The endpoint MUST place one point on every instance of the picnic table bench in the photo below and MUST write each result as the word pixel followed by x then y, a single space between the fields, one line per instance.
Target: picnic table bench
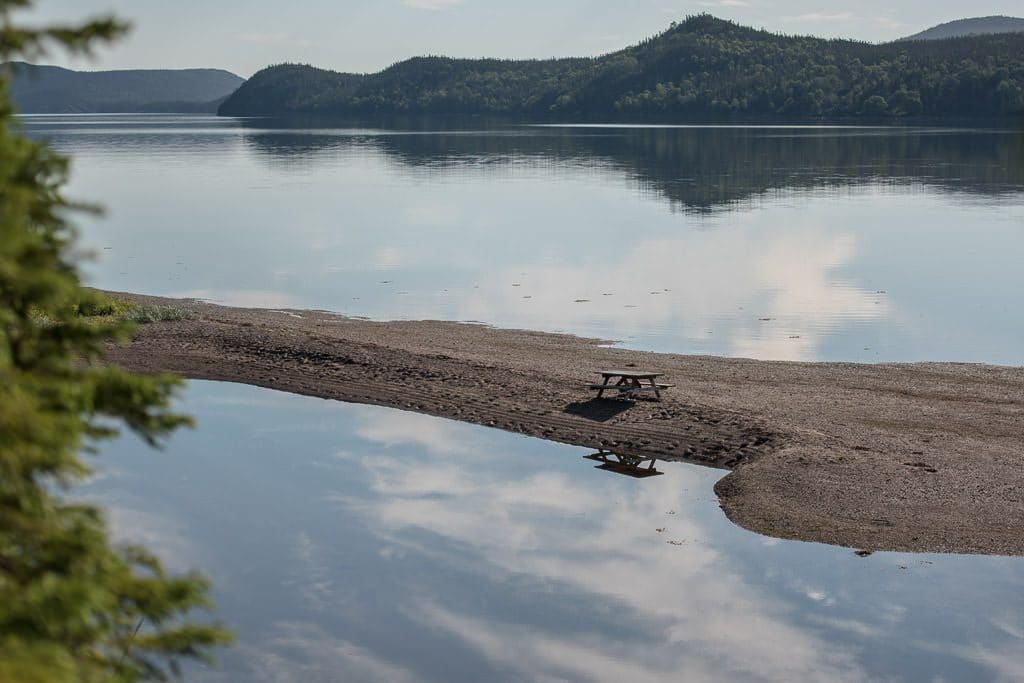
pixel 629 383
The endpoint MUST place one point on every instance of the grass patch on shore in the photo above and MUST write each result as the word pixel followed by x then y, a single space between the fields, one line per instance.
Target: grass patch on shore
pixel 108 309
pixel 105 307
pixel 128 310
pixel 152 313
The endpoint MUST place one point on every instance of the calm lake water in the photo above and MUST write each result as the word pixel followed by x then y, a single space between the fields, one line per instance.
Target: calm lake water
pixel 358 543
pixel 354 543
pixel 815 243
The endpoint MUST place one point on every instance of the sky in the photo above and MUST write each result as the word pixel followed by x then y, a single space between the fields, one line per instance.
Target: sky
pixel 244 36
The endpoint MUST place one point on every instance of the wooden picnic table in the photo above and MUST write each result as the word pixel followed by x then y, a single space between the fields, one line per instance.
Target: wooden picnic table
pixel 629 383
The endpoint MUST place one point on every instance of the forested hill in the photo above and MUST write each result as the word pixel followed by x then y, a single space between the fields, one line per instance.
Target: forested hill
pixel 50 89
pixel 701 68
pixel 971 27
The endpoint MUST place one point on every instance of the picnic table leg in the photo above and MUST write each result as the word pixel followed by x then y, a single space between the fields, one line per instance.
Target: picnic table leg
pixel 657 392
pixel 600 392
pixel 631 385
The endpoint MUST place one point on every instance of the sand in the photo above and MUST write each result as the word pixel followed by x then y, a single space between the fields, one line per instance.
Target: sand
pixel 907 457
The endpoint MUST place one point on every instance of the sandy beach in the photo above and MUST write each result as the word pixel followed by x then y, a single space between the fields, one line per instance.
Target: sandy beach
pixel 910 457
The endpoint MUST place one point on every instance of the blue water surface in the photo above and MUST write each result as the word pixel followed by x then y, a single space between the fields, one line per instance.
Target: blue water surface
pixel 803 243
pixel 361 543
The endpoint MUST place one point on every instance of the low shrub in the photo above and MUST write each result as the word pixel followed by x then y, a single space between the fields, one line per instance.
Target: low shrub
pixel 152 313
pixel 130 311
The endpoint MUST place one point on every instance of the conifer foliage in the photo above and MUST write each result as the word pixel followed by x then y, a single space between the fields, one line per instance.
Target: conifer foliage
pixel 703 68
pixel 73 606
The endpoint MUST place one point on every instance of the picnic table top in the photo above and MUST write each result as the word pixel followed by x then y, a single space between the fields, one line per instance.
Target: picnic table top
pixel 636 374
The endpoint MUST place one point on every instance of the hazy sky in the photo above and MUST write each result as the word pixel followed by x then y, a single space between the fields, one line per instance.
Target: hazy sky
pixel 367 35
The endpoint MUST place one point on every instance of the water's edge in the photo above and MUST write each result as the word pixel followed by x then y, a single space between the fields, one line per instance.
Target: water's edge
pixel 838 453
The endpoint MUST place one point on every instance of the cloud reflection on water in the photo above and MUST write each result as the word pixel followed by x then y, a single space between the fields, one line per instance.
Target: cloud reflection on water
pixel 300 651
pixel 709 625
pixel 765 295
pixel 802 226
pixel 367 543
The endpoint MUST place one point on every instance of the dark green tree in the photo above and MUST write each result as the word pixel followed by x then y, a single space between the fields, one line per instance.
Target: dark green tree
pixel 73 607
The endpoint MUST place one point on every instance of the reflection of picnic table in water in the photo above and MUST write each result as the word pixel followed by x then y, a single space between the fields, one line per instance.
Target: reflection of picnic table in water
pixel 630 465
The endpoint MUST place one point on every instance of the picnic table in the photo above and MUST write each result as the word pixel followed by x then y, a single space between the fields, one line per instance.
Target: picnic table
pixel 629 383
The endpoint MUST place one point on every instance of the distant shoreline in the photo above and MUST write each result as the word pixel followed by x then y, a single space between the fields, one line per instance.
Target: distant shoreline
pixel 909 457
pixel 700 68
pixel 44 89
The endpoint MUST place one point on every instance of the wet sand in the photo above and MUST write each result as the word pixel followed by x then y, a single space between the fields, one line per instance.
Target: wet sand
pixel 911 457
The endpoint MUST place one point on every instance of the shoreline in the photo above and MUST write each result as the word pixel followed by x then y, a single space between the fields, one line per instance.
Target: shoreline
pixel 925 457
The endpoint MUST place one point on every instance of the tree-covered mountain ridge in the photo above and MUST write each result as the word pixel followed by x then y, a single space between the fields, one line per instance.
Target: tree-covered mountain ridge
pixel 971 27
pixel 703 67
pixel 39 89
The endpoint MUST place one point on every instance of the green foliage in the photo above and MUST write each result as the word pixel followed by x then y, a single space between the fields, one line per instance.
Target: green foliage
pixel 106 307
pixel 152 313
pixel 701 68
pixel 100 311
pixel 72 606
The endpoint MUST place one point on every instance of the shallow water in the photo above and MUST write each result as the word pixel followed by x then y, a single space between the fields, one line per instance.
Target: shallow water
pixel 360 543
pixel 811 243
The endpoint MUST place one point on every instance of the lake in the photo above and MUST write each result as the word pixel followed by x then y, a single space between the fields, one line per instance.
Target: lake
pixel 800 243
pixel 359 543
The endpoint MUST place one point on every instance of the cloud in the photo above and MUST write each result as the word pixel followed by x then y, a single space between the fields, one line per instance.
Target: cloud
pixel 776 296
pixel 432 5
pixel 276 39
pixel 888 22
pixel 726 3
pixel 306 652
pixel 535 655
pixel 821 17
pixel 129 522
pixel 507 519
pixel 390 429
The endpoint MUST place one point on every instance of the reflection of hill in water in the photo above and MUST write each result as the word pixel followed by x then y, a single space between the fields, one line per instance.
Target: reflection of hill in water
pixel 698 169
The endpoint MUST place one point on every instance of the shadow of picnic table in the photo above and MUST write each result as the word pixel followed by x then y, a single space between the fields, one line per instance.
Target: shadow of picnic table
pixel 598 410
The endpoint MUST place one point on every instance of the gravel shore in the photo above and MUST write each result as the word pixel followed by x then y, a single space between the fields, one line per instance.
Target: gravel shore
pixel 910 457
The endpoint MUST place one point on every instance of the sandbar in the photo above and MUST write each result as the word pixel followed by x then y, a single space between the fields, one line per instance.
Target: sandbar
pixel 922 457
